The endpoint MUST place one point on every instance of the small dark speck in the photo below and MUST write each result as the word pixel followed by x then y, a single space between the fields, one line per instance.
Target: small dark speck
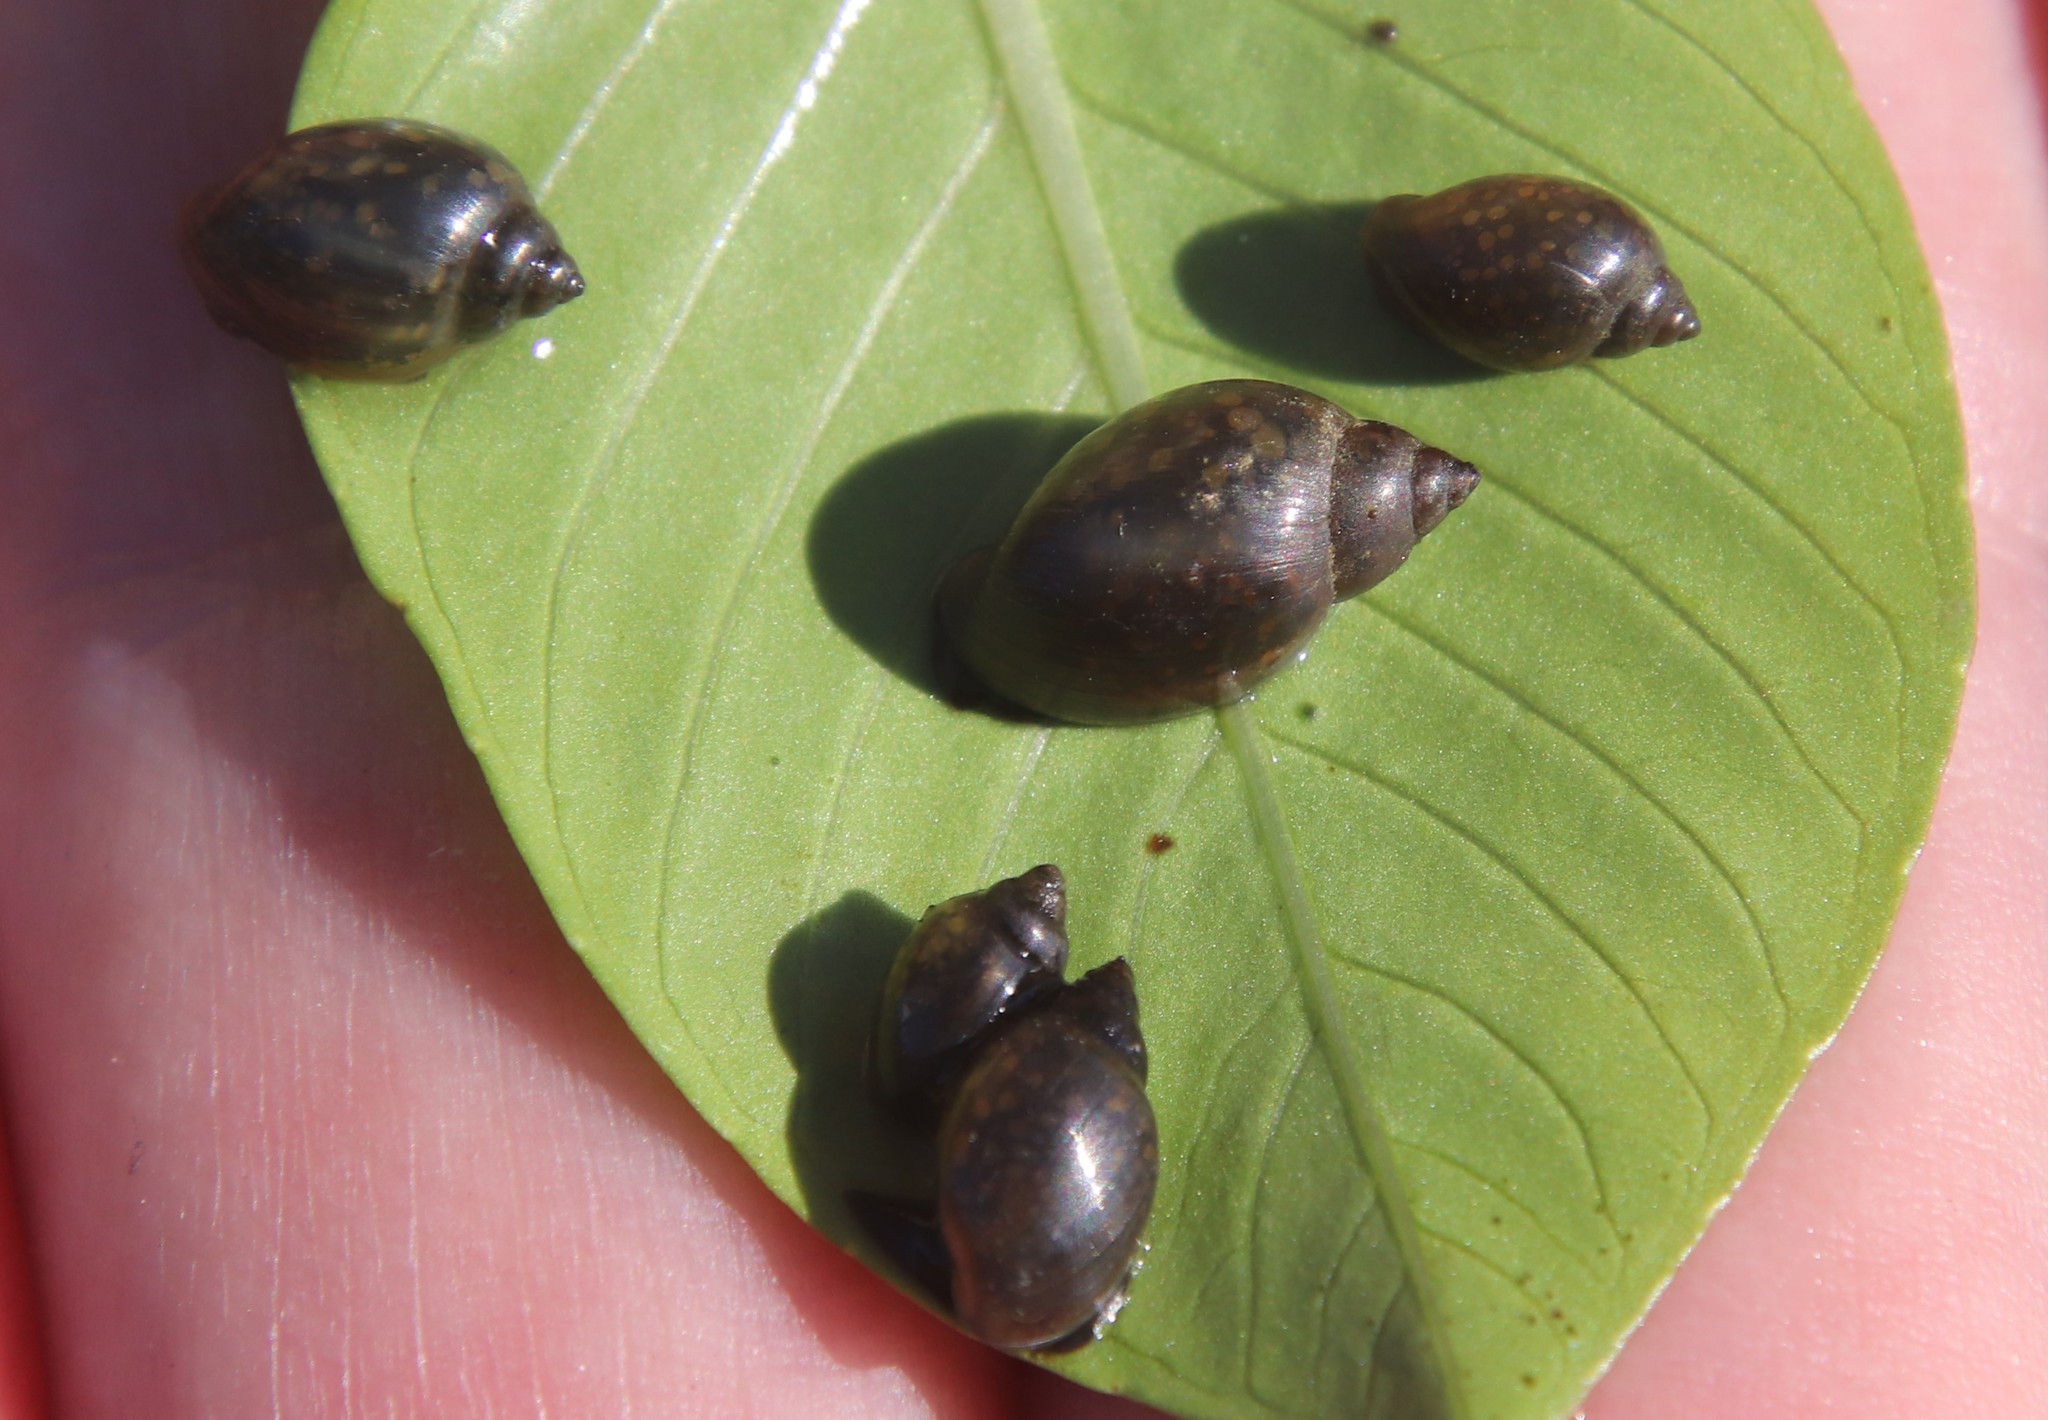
pixel 774 759
pixel 1496 1220
pixel 1382 31
pixel 1556 1315
pixel 1309 711
pixel 135 1159
pixel 1159 843
pixel 1884 323
pixel 1529 1381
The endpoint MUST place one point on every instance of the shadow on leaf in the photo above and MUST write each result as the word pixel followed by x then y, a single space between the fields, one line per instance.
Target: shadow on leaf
pixel 889 529
pixel 1292 283
pixel 824 991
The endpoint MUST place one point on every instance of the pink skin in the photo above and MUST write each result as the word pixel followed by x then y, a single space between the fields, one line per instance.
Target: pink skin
pixel 311 1111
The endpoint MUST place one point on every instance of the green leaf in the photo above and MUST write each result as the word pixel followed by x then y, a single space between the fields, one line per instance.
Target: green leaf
pixel 1492 939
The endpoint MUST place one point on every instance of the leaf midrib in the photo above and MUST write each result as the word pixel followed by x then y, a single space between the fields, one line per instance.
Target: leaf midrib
pixel 1023 51
pixel 1319 998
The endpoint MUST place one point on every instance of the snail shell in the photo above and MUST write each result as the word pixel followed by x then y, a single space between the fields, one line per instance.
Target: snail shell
pixel 1528 273
pixel 971 959
pixel 1047 1163
pixel 1189 548
pixel 374 249
pixel 1047 1149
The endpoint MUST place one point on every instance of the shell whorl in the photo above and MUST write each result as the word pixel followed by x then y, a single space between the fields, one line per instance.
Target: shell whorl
pixel 519 270
pixel 971 959
pixel 1662 315
pixel 1388 490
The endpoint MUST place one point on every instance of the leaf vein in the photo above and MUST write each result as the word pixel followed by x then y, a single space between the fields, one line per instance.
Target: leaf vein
pixel 1501 1191
pixel 1362 1118
pixel 785 492
pixel 621 422
pixel 1551 908
pixel 1248 1378
pixel 1131 123
pixel 1544 1320
pixel 1326 1332
pixel 1031 73
pixel 1582 1132
pixel 1734 470
pixel 1007 819
pixel 1669 601
pixel 607 89
pixel 457 37
pixel 1760 940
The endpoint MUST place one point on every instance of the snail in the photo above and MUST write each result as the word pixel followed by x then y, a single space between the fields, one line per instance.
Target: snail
pixel 1047 1149
pixel 374 249
pixel 1528 273
pixel 971 959
pixel 1189 548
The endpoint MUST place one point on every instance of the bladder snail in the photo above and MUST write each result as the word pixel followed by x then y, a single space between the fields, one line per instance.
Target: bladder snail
pixel 1047 1149
pixel 1528 273
pixel 375 249
pixel 1189 548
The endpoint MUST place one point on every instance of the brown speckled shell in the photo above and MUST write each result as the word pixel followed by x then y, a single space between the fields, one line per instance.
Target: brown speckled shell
pixel 1047 1149
pixel 1523 272
pixel 1189 548
pixel 972 959
pixel 374 249
pixel 1048 1160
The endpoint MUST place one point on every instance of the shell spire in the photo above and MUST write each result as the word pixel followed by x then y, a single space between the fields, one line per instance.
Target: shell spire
pixel 1388 491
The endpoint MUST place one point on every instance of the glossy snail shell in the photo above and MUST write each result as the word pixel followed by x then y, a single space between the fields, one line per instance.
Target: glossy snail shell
pixel 1523 272
pixel 1189 548
pixel 1047 1163
pixel 971 959
pixel 375 249
pixel 1047 1149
